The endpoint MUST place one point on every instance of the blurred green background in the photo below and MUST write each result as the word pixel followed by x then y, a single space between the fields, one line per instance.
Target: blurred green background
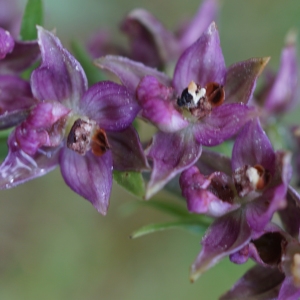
pixel 54 245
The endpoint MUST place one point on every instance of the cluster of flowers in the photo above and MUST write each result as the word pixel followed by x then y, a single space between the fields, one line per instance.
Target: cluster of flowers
pixel 88 131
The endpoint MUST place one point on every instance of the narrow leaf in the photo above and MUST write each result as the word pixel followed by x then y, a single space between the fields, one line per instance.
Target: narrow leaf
pixel 33 15
pixel 131 181
pixel 189 225
pixel 92 72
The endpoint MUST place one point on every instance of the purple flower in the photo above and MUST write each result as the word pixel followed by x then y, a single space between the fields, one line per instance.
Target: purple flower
pixel 204 104
pixel 79 128
pixel 277 275
pixel 243 200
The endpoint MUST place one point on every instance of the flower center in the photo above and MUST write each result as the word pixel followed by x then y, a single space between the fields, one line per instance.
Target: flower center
pixel 201 100
pixel 248 179
pixel 85 135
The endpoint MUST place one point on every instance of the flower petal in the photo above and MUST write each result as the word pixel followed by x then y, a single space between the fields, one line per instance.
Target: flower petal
pixel 206 14
pixel 226 235
pixel 210 195
pixel 288 290
pixel 127 151
pixel 151 42
pixel 129 72
pixel 6 43
pixel 157 102
pixel 111 105
pixel 15 100
pixel 202 62
pixel 283 92
pixel 22 57
pixel 222 123
pixel 253 147
pixel 60 76
pixel 258 283
pixel 19 167
pixel 241 79
pixel 171 153
pixel 89 176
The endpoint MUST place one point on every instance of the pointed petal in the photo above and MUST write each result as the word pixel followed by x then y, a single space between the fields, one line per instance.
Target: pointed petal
pixel 258 283
pixel 19 167
pixel 206 14
pixel 222 123
pixel 89 176
pixel 203 62
pixel 151 42
pixel 284 89
pixel 22 57
pixel 111 105
pixel 290 215
pixel 241 79
pixel 60 77
pixel 253 147
pixel 226 235
pixel 129 72
pixel 171 153
pixel 288 290
pixel 157 102
pixel 15 100
pixel 127 151
pixel 6 43
pixel 210 195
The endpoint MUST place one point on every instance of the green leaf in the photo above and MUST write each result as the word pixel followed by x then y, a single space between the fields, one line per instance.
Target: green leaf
pixel 189 225
pixel 33 15
pixel 93 74
pixel 131 181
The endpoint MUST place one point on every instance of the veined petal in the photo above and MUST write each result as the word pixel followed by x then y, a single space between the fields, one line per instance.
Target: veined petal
pixel 171 153
pixel 111 105
pixel 241 79
pixel 226 235
pixel 19 167
pixel 253 147
pixel 202 62
pixel 258 283
pixel 222 123
pixel 22 57
pixel 284 90
pixel 151 42
pixel 206 14
pixel 89 176
pixel 211 195
pixel 6 43
pixel 130 72
pixel 60 77
pixel 127 151
pixel 15 100
pixel 157 102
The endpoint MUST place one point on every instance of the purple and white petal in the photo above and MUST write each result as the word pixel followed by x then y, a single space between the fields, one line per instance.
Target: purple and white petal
pixel 253 147
pixel 288 290
pixel 225 236
pixel 19 167
pixel 127 151
pixel 206 14
pixel 24 55
pixel 282 94
pixel 241 79
pixel 222 123
pixel 6 43
pixel 111 105
pixel 89 176
pixel 202 62
pixel 151 43
pixel 60 77
pixel 157 102
pixel 258 283
pixel 171 153
pixel 130 72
